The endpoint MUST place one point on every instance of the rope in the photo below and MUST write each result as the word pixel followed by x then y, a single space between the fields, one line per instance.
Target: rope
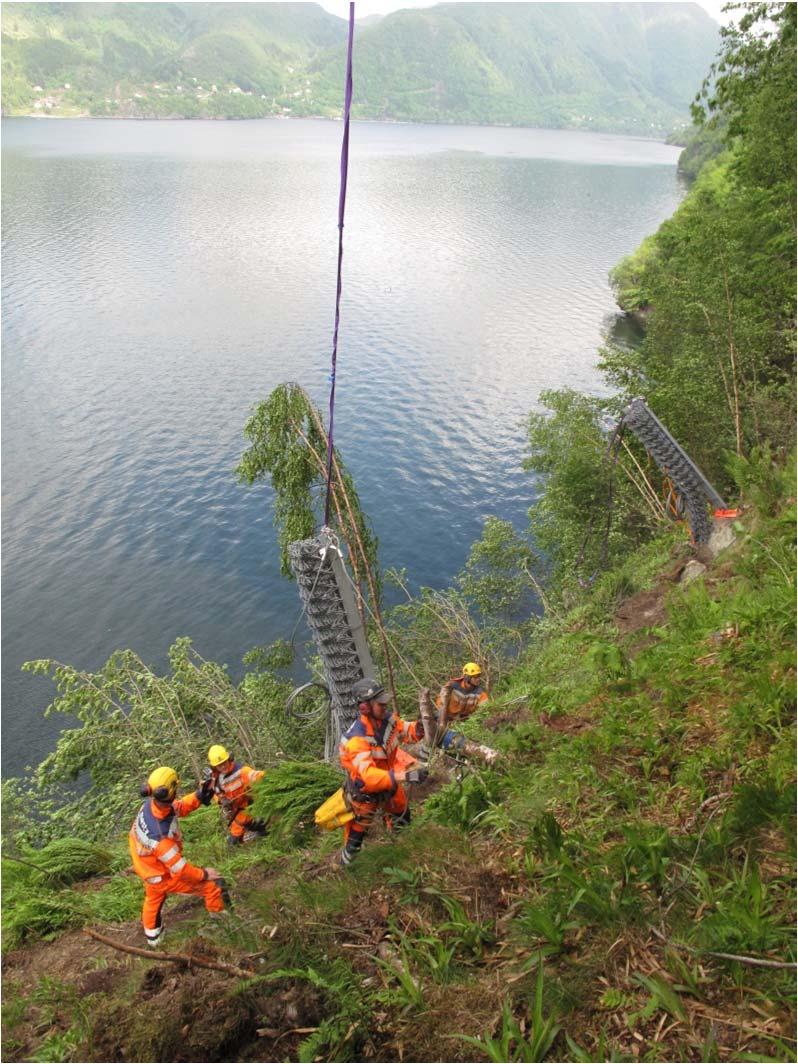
pixel 341 210
pixel 385 633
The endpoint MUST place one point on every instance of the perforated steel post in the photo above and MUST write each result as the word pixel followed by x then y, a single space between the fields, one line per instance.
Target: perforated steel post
pixel 335 623
pixel 689 481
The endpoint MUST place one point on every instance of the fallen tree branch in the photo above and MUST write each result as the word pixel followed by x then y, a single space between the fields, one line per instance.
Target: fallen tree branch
pixel 175 958
pixel 757 962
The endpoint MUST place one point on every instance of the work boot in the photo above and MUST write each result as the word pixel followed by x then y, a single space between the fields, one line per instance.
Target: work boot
pixel 352 848
pixel 234 840
pixel 157 941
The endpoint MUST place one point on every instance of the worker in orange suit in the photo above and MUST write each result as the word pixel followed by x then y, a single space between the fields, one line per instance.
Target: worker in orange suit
pixel 458 699
pixel 231 785
pixel 156 848
pixel 369 750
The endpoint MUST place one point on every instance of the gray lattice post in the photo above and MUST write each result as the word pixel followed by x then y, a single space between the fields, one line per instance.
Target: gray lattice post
pixel 689 481
pixel 334 620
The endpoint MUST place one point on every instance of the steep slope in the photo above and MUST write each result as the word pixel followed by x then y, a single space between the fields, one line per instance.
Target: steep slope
pixel 585 902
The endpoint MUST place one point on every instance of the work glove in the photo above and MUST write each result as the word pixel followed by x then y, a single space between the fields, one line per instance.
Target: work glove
pixel 205 790
pixel 419 728
pixel 417 774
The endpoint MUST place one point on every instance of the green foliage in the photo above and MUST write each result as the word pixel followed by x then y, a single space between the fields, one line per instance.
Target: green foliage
pixel 40 914
pixel 512 1044
pixel 497 582
pixel 444 65
pixel 662 997
pixel 703 144
pixel 717 361
pixel 434 632
pixel 64 861
pixel 628 277
pixel 759 805
pixel 459 804
pixel 336 1036
pixel 583 489
pixel 36 901
pixel 288 445
pixel 290 793
pixel 129 721
pixel 719 350
pixel 586 839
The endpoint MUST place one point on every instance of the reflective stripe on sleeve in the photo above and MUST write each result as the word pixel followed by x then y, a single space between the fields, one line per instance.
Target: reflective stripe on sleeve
pixel 170 853
pixel 178 866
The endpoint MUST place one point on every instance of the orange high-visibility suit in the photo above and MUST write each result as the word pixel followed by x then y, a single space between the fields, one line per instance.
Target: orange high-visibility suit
pixel 460 701
pixel 156 849
pixel 232 793
pixel 369 751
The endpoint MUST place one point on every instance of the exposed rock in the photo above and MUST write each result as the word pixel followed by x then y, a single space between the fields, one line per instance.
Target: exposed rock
pixel 692 571
pixel 722 536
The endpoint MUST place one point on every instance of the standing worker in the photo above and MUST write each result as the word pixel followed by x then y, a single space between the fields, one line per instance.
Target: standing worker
pixel 156 848
pixel 231 783
pixel 369 750
pixel 458 699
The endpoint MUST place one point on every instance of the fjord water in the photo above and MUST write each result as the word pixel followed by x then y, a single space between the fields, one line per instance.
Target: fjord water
pixel 161 277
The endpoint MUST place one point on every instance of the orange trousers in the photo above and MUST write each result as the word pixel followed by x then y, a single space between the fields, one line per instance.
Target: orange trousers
pixel 390 807
pixel 239 824
pixel 155 895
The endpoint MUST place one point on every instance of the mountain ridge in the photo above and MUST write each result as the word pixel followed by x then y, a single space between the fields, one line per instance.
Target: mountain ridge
pixel 630 68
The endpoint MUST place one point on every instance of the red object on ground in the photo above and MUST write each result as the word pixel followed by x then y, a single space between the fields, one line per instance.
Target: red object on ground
pixel 727 513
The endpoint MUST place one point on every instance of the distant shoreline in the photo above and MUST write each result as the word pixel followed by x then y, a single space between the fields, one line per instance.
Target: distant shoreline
pixel 660 139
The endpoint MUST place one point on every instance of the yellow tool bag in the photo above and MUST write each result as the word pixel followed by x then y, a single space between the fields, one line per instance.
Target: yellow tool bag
pixel 335 812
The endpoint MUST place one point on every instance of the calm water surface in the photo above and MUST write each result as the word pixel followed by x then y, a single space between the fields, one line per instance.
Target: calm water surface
pixel 159 278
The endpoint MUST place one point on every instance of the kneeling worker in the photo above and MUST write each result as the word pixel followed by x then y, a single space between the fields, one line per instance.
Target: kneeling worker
pixel 459 698
pixel 156 849
pixel 231 783
pixel 368 752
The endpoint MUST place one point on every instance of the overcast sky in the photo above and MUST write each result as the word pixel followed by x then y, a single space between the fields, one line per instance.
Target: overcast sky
pixel 383 7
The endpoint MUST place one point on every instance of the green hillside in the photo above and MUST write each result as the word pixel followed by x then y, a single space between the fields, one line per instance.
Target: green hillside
pixel 620 889
pixel 632 67
pixel 620 885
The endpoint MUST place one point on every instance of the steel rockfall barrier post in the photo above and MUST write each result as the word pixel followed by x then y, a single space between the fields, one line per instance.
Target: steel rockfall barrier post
pixel 336 626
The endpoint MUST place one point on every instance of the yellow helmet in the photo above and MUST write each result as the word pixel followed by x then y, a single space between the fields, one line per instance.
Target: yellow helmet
pixel 162 783
pixel 471 669
pixel 217 755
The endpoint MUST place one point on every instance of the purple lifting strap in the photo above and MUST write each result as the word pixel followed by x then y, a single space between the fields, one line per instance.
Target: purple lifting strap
pixel 341 210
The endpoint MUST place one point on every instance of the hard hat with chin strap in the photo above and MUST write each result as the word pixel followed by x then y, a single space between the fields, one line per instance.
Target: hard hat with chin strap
pixel 217 755
pixel 471 669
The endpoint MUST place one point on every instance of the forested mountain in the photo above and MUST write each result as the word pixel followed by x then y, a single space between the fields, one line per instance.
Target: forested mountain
pixel 622 66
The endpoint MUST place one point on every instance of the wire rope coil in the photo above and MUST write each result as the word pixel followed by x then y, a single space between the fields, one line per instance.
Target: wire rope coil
pixel 319 694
